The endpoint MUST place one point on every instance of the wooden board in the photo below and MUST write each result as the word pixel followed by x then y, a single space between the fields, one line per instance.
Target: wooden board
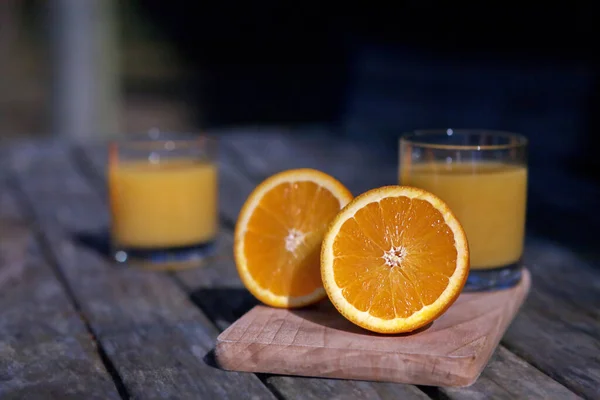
pixel 452 351
pixel 537 336
pixel 217 290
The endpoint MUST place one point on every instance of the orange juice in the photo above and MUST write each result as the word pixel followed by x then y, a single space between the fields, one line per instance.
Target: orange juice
pixel 168 204
pixel 489 199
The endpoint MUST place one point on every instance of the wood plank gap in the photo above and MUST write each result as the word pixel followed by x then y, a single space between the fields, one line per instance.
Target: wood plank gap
pixel 558 378
pixel 52 262
pixel 155 336
pixel 44 343
pixel 433 392
pixel 261 377
pixel 502 360
pixel 310 388
pixel 264 378
pixel 280 152
pixel 85 165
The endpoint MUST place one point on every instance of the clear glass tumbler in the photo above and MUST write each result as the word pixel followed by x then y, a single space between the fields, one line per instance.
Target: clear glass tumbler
pixel 482 176
pixel 163 199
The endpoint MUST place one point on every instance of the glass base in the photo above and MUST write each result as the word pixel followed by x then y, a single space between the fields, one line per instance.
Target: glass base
pixel 492 279
pixel 172 258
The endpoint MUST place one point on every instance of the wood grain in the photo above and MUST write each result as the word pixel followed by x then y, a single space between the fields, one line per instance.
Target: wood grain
pixel 45 348
pixel 158 351
pixel 509 377
pixel 320 342
pixel 216 287
pixel 217 290
pixel 270 151
pixel 223 298
pixel 154 362
pixel 560 301
pixel 127 308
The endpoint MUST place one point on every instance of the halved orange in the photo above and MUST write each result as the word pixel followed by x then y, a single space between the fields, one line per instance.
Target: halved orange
pixel 394 259
pixel 279 233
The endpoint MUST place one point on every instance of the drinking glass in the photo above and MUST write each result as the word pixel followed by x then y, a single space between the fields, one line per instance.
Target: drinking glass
pixel 482 176
pixel 163 199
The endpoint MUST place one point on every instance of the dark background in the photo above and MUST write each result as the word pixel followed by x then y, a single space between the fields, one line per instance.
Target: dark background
pixel 377 70
pixel 368 71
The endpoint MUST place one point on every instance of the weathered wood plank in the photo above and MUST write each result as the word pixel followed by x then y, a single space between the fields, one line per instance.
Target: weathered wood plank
pixel 510 377
pixel 579 292
pixel 230 207
pixel 557 347
pixel 34 305
pixel 217 290
pixel 132 312
pixel 262 156
pixel 60 368
pixel 316 389
pixel 357 165
pixel 237 188
pixel 45 347
pixel 166 370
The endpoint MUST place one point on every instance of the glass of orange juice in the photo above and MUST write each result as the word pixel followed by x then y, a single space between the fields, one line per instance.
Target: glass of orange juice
pixel 482 176
pixel 163 199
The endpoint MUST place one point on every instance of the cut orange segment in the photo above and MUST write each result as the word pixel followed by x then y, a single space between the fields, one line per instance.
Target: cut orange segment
pixel 279 233
pixel 394 259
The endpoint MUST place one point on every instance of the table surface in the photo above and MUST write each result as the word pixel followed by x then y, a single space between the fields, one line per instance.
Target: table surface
pixel 73 325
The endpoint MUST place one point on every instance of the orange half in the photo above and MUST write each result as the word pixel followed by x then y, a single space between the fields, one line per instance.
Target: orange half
pixel 394 259
pixel 279 233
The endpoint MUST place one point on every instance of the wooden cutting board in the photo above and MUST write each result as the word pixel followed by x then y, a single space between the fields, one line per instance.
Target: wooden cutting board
pixel 319 342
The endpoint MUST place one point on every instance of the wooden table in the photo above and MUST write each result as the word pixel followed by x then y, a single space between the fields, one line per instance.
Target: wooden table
pixel 73 325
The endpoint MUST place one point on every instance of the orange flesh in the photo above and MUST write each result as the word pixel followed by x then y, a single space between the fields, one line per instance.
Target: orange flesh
pixel 418 244
pixel 305 209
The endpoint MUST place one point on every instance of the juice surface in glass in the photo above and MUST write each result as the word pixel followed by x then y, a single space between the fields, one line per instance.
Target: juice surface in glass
pixel 489 199
pixel 172 203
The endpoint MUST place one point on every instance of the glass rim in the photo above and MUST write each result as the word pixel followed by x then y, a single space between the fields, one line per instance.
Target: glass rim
pixel 413 138
pixel 164 140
